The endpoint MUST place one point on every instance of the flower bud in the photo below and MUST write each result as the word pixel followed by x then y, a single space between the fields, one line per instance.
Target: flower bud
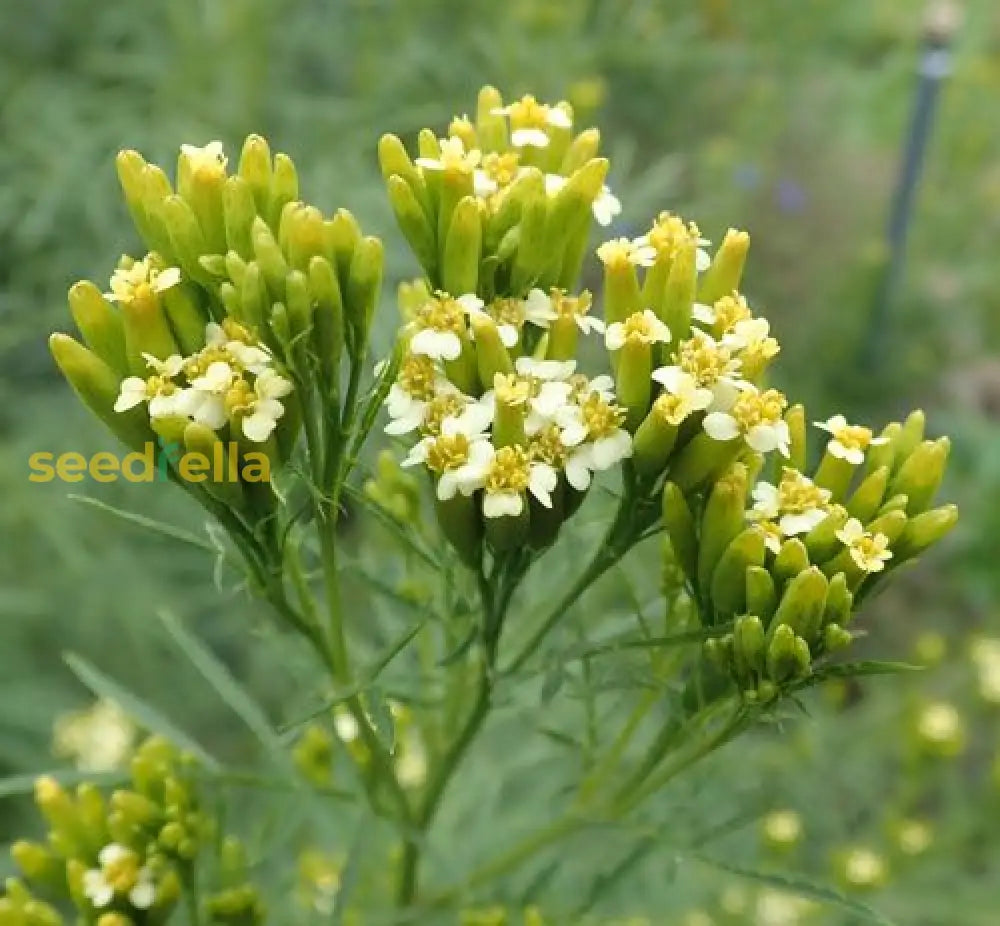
pixel 884 454
pixel 910 436
pixel 632 381
pixel 413 223
pixel 186 237
pixel 787 655
pixel 723 518
pixel 462 526
pixel 299 304
pixel 395 162
pixel 239 209
pixel 343 235
pixel 202 189
pixel 795 418
pixel 255 169
pixel 654 442
pixel 622 296
pixel 762 595
pixel 269 258
pixel 255 303
pixel 925 529
pixel 749 646
pixel 679 294
pixel 680 527
pixel 491 126
pixel 792 559
pixel 364 285
pixel 869 495
pixel 701 460
pixel 835 474
pixel 460 260
pixel 728 586
pixel 726 270
pixel 97 386
pixel 836 638
pixel 131 168
pixel 284 188
pixel 802 603
pixel 532 250
pixel 328 318
pixel 839 601
pixel 491 355
pixel 99 323
pixel 186 318
pixel 921 473
pixel 822 542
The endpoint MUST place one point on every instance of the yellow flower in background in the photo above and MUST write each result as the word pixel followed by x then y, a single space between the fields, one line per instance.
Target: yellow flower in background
pixel 100 738
pixel 940 730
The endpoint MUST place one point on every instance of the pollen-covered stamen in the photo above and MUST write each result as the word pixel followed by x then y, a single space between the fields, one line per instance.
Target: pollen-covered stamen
pixel 442 313
pixel 620 253
pixel 528 113
pixel 566 306
pixel 513 389
pixel 600 418
pixel 448 452
pixel 547 447
pixel 509 471
pixel 672 409
pixel 198 364
pixel 418 376
pixel 454 158
pixel 445 405
pixel 729 310
pixel 502 169
pixel 752 409
pixel 798 493
pixel 507 311
pixel 141 280
pixel 239 397
pixel 670 233
pixel 870 551
pixel 706 360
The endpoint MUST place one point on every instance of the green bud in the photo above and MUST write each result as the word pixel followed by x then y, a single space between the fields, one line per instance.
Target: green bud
pixel 203 192
pixel 460 262
pixel 306 236
pixel 836 638
pixel 822 541
pixel 284 188
pixel 869 495
pixel 508 424
pixel 679 295
pixel 328 318
pixel 255 301
pixel 839 601
pixel 413 223
pixel 462 525
pixel 724 517
pixel 574 254
pixel 269 258
pixel 749 646
pixel 920 475
pixel 343 235
pixel 131 175
pixel 100 323
pixel 762 596
pixel 532 252
pixel 491 355
pixel 834 473
pixel 726 270
pixel 924 530
pixel 795 418
pixel 728 587
pixel 239 210
pixel 299 304
pixel 802 604
pixel 394 161
pixel 186 318
pixel 892 524
pixel 718 651
pixel 632 381
pixel 894 503
pixel 622 296
pixel 910 436
pixel 680 527
pixel 581 149
pixel 186 237
pixel 701 459
pixel 787 655
pixel 792 559
pixel 364 285
pixel 491 126
pixel 509 531
pixel 97 386
pixel 255 169
pixel 654 442
pixel 884 454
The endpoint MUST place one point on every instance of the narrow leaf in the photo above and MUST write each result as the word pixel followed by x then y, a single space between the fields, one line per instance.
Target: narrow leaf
pixel 150 524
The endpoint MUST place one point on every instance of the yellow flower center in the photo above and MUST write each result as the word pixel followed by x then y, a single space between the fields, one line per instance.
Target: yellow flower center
pixel 705 360
pixel 462 127
pixel 870 551
pixel 511 389
pixel 566 306
pixel 854 436
pixel 441 313
pixel 771 531
pixel 122 873
pixel 455 158
pixel 600 418
pixel 417 376
pixel 507 311
pixel 501 168
pixel 528 113
pixel 797 493
pixel 672 409
pixel 638 328
pixel 617 254
pixel 240 397
pixel 731 309
pixel 159 385
pixel 669 234
pixel 547 447
pixel 449 451
pixel 440 407
pixel 755 408
pixel 237 332
pixel 509 471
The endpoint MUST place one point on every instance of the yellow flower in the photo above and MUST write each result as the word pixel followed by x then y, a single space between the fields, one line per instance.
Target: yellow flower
pixel 869 551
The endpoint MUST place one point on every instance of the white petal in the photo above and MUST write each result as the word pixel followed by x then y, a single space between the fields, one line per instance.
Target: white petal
pixel 500 504
pixel 578 469
pixel 447 487
pixel 793 524
pixel 559 118
pixel 703 313
pixel 133 392
pixel 143 895
pixel 529 138
pixel 429 164
pixel 703 261
pixel 720 426
pixel 542 482
pixel 614 336
pixel 470 302
pixel 509 335
pixel 258 426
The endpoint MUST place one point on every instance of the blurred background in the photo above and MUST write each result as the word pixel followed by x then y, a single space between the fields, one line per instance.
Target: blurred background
pixel 786 118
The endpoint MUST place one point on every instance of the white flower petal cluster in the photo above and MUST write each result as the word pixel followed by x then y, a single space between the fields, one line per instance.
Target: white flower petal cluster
pixel 231 380
pixel 848 441
pixel 792 507
pixel 120 875
pixel 141 278
pixel 531 122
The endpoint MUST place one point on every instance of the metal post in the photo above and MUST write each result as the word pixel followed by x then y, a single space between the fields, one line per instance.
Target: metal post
pixel 935 65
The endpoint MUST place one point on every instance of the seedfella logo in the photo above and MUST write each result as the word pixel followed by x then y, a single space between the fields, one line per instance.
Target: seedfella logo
pixel 225 464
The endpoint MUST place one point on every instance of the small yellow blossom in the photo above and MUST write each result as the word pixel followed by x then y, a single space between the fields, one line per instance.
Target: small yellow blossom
pixel 620 253
pixel 870 552
pixel 848 441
